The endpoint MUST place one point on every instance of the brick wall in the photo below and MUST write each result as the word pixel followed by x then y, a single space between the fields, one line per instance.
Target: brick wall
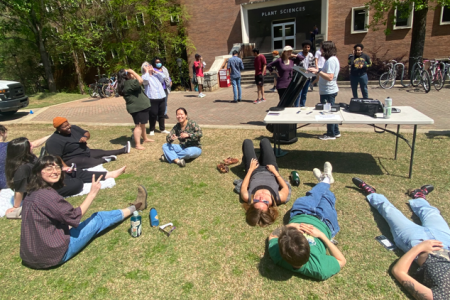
pixel 215 25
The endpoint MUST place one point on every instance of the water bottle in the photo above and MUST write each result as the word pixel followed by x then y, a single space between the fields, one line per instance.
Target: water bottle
pixel 295 179
pixel 387 111
pixel 136 224
pixel 154 219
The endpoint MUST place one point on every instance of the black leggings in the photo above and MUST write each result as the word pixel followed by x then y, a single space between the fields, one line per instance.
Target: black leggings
pixel 95 158
pixel 73 182
pixel 157 110
pixel 266 156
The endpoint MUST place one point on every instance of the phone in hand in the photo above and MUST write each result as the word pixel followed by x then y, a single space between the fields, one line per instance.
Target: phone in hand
pixel 385 242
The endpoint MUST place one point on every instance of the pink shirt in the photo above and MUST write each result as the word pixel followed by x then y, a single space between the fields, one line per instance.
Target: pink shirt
pixel 198 68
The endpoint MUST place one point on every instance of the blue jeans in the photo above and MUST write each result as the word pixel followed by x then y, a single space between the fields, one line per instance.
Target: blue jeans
pixel 406 233
pixel 174 151
pixel 236 83
pixel 332 129
pixel 362 80
pixel 89 229
pixel 301 99
pixel 319 202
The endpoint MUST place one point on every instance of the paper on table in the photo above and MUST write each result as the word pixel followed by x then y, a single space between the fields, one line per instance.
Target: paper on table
pixel 328 117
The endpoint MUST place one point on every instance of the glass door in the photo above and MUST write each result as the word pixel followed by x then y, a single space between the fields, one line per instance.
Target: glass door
pixel 283 34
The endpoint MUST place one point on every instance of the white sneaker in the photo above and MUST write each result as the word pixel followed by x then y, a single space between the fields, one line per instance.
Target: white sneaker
pixel 326 137
pixel 327 170
pixel 128 147
pixel 110 158
pixel 318 174
pixel 165 132
pixel 202 95
pixel 152 133
pixel 337 136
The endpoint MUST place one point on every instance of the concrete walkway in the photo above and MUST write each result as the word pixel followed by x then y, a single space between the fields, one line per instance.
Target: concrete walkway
pixel 215 110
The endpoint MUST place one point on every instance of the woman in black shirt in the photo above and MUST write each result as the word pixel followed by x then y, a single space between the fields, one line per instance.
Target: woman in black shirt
pixel 359 63
pixel 19 163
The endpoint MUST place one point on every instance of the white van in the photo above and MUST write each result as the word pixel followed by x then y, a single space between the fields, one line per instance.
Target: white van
pixel 12 97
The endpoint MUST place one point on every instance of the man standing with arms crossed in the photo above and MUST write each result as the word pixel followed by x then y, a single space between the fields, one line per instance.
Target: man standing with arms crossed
pixel 235 66
pixel 260 71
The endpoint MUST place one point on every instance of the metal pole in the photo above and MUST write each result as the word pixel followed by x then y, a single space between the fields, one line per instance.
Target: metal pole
pixel 412 152
pixel 396 141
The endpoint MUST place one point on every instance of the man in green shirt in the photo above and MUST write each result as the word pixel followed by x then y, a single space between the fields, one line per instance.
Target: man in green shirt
pixel 301 246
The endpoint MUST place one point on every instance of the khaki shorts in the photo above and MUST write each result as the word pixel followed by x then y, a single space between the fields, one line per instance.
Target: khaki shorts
pixel 200 80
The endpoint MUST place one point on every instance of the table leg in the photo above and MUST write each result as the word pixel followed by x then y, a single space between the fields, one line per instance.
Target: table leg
pixel 396 141
pixel 277 140
pixel 412 152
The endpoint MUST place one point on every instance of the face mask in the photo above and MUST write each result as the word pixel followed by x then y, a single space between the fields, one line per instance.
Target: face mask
pixel 159 65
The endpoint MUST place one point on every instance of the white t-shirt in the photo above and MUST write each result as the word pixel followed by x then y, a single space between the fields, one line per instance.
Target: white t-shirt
pixel 321 59
pixel 331 66
pixel 307 60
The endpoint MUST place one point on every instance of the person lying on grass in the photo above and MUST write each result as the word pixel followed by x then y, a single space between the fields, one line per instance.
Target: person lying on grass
pixel 19 163
pixel 428 245
pixel 70 143
pixel 301 246
pixel 188 133
pixel 51 231
pixel 263 188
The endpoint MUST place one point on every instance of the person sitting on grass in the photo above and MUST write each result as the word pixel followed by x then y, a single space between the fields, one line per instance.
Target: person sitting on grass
pixel 188 133
pixel 69 142
pixel 301 246
pixel 3 148
pixel 51 230
pixel 263 188
pixel 428 245
pixel 129 85
pixel 19 163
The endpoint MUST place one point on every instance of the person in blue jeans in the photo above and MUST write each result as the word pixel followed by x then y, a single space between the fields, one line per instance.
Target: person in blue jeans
pixel 302 245
pixel 51 231
pixel 359 62
pixel 235 65
pixel 427 244
pixel 328 88
pixel 307 57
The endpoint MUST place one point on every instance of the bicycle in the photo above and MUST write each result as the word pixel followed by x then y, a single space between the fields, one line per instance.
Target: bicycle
pixel 436 74
pixel 96 89
pixel 387 79
pixel 110 88
pixel 420 75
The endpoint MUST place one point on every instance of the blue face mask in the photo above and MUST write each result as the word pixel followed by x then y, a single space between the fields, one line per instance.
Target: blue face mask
pixel 159 65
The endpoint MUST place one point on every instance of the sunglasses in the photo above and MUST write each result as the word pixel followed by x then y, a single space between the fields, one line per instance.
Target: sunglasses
pixel 263 201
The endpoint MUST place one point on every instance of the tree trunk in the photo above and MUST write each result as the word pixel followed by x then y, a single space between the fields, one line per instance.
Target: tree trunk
pixel 418 36
pixel 78 71
pixel 45 62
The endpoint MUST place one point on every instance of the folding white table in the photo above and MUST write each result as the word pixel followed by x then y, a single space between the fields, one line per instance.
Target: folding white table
pixel 295 115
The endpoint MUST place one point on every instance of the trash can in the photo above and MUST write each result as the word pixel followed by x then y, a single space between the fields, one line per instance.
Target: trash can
pixel 224 78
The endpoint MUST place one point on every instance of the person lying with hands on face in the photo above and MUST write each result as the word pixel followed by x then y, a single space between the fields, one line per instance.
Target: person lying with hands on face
pixel 263 189
pixel 188 133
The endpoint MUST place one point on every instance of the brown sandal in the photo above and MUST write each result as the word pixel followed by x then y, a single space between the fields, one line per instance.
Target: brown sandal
pixel 230 161
pixel 222 168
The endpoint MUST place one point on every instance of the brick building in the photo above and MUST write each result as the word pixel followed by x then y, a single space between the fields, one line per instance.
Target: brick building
pixel 270 24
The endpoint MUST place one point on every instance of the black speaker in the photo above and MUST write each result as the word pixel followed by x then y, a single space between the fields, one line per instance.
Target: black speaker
pixel 287 133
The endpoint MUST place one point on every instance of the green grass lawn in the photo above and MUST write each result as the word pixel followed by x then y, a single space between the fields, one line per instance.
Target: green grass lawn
pixel 213 253
pixel 39 100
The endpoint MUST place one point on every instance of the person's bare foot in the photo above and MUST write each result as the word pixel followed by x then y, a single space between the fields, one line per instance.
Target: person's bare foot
pixel 139 147
pixel 148 141
pixel 116 173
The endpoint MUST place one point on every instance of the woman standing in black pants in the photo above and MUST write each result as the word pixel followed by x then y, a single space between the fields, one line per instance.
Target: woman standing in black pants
pixel 153 88
pixel 263 189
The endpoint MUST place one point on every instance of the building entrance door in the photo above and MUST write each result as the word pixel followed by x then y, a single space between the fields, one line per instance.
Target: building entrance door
pixel 283 34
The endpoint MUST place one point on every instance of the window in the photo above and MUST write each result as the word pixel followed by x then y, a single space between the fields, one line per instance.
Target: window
pixel 403 16
pixel 140 20
pixel 445 15
pixel 125 22
pixel 360 19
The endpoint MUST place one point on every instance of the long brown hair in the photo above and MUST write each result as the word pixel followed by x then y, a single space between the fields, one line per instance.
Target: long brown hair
pixel 328 49
pixel 18 153
pixel 254 216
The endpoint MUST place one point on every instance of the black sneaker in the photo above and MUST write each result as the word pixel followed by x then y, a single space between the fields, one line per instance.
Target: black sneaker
pixel 422 192
pixel 362 185
pixel 166 116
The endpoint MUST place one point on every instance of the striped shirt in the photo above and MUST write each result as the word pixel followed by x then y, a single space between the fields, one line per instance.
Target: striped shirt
pixel 153 85
pixel 45 236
